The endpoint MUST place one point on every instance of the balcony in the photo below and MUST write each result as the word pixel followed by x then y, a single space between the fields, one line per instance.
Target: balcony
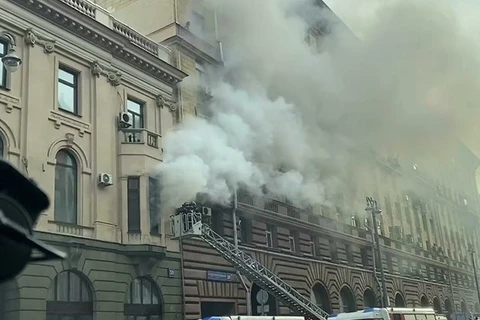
pixel 70 229
pixel 140 142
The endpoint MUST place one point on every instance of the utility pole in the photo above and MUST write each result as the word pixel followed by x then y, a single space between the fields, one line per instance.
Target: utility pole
pixel 471 250
pixel 235 243
pixel 372 207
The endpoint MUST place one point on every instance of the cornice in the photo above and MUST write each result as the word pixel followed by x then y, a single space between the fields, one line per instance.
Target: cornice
pixel 193 44
pixel 114 77
pixel 100 35
pixel 32 38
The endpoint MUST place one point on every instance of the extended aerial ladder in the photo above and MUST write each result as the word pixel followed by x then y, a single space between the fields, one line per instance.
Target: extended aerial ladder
pixel 192 221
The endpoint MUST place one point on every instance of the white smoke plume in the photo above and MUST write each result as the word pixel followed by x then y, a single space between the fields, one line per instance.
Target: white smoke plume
pixel 298 121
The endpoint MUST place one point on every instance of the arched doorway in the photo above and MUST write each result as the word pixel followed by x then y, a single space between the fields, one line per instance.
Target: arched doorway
pixel 143 300
pixel 70 297
pixel 424 302
pixel 369 298
pixel 9 301
pixel 463 306
pixel 320 297
pixel 448 306
pixel 399 300
pixel 437 306
pixel 263 303
pixel 347 300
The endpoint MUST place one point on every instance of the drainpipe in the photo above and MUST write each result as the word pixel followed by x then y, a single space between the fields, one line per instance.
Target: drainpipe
pixel 235 242
pixel 220 46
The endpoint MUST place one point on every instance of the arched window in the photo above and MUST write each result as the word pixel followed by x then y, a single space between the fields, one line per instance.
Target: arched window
pixel 347 300
pixel 448 306
pixel 437 306
pixel 320 297
pixel 369 299
pixel 399 301
pixel 66 187
pixel 424 302
pixel 69 298
pixel 2 147
pixel 143 300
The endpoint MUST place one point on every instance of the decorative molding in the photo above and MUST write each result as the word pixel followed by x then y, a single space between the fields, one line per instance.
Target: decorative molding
pixel 69 137
pixel 75 253
pixel 60 120
pixel 32 38
pixel 144 265
pixel 165 102
pixel 114 77
pixel 113 41
pixel 9 102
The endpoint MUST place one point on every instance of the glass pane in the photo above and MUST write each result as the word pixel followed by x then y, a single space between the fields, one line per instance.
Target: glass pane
pixel 65 194
pixel 66 97
pixel 133 106
pixel 62 317
pixel 52 317
pixel 130 317
pixel 147 292
pixel 66 76
pixel 137 121
pixel 154 297
pixel 62 286
pixel 85 293
pixel 75 284
pixel 154 318
pixel 136 291
pixel 2 76
pixel 85 317
pixel 142 318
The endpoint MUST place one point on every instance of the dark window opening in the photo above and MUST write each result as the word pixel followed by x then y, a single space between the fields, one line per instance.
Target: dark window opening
pixel 133 199
pixel 66 185
pixel 154 205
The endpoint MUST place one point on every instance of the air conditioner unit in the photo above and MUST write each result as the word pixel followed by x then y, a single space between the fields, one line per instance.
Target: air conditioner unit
pixel 105 179
pixel 124 119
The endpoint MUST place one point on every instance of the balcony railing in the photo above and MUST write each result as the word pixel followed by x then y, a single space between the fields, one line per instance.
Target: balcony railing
pixel 72 229
pixel 141 136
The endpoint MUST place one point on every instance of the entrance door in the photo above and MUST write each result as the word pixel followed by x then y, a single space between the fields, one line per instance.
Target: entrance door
pixel 214 308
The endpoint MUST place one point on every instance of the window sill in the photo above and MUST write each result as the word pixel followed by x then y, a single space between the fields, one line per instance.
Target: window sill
pixel 77 115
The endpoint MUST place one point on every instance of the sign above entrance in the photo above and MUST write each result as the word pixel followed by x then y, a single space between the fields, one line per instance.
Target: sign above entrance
pixel 218 276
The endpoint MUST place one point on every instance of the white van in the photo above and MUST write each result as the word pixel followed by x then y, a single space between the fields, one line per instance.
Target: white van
pixel 387 314
pixel 255 318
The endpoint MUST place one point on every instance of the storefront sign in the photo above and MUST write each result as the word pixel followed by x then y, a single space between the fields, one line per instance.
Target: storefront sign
pixel 218 276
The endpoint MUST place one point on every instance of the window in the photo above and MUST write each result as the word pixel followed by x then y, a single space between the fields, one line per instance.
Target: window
pixel 69 298
pixel 198 23
pixel 135 109
pixel 67 90
pixel 154 204
pixel 133 199
pixel 143 301
pixel 364 255
pixel 3 71
pixel 349 251
pixel 66 186
pixel 245 230
pixel 291 242
pixel 268 236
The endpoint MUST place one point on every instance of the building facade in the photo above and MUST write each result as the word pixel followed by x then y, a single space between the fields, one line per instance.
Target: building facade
pixel 84 116
pixel 325 253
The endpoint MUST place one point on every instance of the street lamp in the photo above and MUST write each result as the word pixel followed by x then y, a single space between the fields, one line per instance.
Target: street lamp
pixel 11 61
pixel 471 250
pixel 372 206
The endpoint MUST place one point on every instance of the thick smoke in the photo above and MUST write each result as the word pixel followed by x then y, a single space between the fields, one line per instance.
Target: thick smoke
pixel 299 122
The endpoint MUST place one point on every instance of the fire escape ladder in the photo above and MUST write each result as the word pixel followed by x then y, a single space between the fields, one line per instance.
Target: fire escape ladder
pixel 262 276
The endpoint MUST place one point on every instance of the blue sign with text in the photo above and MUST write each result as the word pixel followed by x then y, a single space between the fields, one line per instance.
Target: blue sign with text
pixel 218 276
